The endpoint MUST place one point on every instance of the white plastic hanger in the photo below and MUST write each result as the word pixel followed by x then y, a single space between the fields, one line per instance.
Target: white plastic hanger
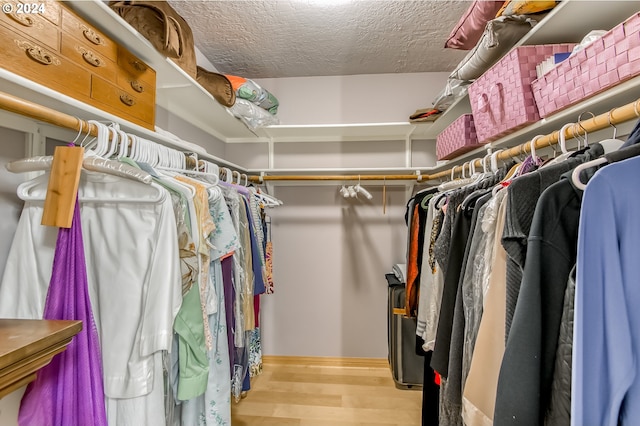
pixel 532 147
pixel 494 161
pixel 613 144
pixel 271 201
pixel 24 189
pixel 228 177
pixel 359 189
pixel 91 162
pixel 562 141
pixel 457 183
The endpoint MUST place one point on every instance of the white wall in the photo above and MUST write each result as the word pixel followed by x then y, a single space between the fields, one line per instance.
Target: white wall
pixel 375 98
pixel 330 257
pixel 188 132
pixel 332 154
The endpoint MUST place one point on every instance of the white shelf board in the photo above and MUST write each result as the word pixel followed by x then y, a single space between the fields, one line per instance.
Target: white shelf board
pixel 342 170
pixel 459 107
pixel 571 20
pixel 347 132
pixel 176 91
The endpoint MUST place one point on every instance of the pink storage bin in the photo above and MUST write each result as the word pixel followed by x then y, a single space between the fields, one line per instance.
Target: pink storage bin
pixel 501 99
pixel 601 65
pixel 459 137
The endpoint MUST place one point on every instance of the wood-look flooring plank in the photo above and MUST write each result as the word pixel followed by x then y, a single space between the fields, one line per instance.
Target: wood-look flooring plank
pixel 335 389
pixel 335 414
pixel 308 395
pixel 332 379
pixel 400 402
pixel 351 371
pixel 296 398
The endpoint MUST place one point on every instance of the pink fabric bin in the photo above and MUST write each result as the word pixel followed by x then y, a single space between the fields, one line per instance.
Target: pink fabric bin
pixel 459 137
pixel 601 65
pixel 501 99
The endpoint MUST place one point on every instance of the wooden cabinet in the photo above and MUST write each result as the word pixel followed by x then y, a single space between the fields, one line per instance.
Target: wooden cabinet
pixel 75 27
pixel 28 345
pixel 58 49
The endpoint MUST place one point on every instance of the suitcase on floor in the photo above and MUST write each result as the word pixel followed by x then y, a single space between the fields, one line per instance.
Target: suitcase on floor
pixel 407 366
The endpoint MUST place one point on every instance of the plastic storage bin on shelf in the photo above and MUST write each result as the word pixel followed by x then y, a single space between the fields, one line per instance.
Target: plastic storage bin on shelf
pixel 459 137
pixel 601 65
pixel 502 99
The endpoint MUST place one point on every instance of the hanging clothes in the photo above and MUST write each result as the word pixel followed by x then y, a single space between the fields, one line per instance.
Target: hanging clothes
pixel 135 289
pixel 205 227
pixel 605 385
pixel 214 407
pixel 523 195
pixel 431 280
pixel 550 254
pixel 480 386
pixel 559 411
pixel 69 390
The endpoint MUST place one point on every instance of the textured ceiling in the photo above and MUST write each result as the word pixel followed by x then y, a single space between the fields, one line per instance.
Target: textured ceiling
pixel 292 38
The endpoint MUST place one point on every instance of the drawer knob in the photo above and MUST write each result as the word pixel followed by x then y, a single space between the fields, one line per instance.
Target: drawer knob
pixel 92 59
pixel 135 85
pixel 92 36
pixel 138 65
pixel 127 100
pixel 23 19
pixel 37 53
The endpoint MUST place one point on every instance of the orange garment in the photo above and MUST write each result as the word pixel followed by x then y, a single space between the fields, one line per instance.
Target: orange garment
pixel 236 81
pixel 411 297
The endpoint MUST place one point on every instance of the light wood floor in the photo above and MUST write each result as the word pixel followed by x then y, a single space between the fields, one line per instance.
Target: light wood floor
pixel 319 395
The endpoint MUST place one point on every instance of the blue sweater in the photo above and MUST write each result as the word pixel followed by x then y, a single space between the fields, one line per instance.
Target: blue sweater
pixel 607 310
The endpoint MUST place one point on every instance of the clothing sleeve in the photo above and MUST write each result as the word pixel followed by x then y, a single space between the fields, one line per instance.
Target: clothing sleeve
pixel 25 282
pixel 163 287
pixel 603 361
pixel 530 351
pixel 426 278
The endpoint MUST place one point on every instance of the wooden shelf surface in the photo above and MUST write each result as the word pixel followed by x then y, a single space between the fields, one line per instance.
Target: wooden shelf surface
pixel 28 345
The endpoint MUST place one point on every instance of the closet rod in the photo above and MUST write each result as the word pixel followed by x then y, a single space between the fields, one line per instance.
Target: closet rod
pixel 618 115
pixel 42 113
pixel 32 110
pixel 615 116
pixel 259 179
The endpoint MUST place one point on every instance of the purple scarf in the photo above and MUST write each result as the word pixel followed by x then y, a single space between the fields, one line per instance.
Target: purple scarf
pixel 68 391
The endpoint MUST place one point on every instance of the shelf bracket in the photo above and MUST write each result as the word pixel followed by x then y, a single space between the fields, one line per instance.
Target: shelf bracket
pixel 407 151
pixel 272 156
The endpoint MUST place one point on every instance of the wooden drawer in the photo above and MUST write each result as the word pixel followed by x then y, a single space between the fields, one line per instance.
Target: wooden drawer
pixel 33 25
pixel 52 11
pixel 88 58
pixel 141 89
pixel 29 58
pixel 95 40
pixel 137 109
pixel 135 67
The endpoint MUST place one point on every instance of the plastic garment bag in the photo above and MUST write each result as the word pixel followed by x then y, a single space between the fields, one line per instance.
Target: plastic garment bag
pixel 68 391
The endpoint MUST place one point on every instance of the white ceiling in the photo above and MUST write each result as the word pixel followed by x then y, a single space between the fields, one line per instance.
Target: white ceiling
pixel 293 38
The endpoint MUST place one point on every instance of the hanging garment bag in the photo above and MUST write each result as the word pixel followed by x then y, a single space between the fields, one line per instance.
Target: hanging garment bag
pixel 407 366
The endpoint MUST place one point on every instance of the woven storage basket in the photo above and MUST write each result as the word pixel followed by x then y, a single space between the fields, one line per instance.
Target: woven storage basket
pixel 459 137
pixel 601 65
pixel 501 99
